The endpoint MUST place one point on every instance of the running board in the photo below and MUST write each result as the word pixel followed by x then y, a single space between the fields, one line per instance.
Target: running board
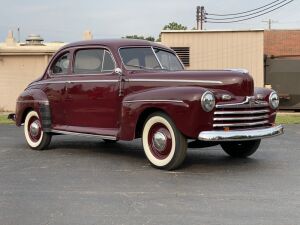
pixel 84 134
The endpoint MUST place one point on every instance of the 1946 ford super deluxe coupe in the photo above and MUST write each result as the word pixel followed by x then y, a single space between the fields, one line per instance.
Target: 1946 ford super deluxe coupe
pixel 128 89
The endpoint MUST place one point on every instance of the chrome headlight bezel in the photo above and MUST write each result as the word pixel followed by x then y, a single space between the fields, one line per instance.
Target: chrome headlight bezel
pixel 208 101
pixel 274 100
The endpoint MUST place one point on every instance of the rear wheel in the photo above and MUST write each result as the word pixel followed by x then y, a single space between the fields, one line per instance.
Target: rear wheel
pixel 164 145
pixel 240 149
pixel 35 137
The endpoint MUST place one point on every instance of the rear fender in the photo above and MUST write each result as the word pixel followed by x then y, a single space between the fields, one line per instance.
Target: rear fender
pixel 34 99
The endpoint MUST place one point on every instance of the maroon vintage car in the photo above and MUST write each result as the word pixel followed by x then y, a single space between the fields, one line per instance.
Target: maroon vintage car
pixel 127 89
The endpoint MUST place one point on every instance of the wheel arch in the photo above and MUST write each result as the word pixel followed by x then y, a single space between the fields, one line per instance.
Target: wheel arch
pixel 24 113
pixel 143 117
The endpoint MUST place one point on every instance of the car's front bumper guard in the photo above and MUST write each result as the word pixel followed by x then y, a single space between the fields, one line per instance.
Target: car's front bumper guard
pixel 240 135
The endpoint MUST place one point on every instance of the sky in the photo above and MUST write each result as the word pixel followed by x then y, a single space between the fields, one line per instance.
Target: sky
pixel 66 20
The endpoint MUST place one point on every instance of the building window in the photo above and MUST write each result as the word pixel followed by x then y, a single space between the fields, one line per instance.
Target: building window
pixel 184 54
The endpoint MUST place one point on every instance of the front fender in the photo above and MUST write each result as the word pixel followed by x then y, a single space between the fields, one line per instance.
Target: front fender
pixel 182 104
pixel 33 99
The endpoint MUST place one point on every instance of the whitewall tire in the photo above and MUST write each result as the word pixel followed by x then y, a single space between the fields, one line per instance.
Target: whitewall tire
pixel 164 145
pixel 34 135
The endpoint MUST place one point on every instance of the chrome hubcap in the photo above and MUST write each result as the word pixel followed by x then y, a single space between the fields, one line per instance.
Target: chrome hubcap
pixel 159 141
pixel 34 129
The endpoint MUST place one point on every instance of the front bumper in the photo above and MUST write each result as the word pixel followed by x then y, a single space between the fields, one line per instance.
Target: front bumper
pixel 240 135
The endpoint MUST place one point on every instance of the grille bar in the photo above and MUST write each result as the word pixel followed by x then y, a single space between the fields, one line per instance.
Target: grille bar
pixel 242 112
pixel 249 113
pixel 241 124
pixel 241 118
pixel 240 106
pixel 249 102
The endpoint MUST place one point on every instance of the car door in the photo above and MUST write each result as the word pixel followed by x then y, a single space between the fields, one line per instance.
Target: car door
pixel 92 101
pixel 55 88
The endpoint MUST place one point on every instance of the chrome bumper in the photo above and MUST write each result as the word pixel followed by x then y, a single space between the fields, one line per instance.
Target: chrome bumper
pixel 240 135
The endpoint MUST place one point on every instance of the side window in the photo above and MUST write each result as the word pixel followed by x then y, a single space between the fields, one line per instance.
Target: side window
pixel 61 65
pixel 108 64
pixel 93 61
pixel 88 61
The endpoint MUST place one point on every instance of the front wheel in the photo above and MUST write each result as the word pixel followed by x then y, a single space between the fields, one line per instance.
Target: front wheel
pixel 35 137
pixel 164 145
pixel 240 149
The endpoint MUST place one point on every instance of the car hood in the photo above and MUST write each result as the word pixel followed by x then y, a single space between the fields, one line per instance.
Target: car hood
pixel 239 83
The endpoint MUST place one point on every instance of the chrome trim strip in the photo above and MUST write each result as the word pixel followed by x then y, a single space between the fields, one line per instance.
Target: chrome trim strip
pixel 134 101
pixel 240 135
pixel 240 124
pixel 84 134
pixel 74 81
pixel 241 118
pixel 148 46
pixel 249 101
pixel 241 70
pixel 241 112
pixel 175 80
pixel 157 58
pixel 34 101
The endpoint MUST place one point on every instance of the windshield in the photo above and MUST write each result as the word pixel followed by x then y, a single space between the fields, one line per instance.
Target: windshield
pixel 148 58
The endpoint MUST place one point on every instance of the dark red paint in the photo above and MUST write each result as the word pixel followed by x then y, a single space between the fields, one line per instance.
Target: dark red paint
pixel 97 108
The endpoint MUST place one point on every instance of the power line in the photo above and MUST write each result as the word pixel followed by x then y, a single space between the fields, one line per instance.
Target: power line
pixel 232 14
pixel 235 21
pixel 236 17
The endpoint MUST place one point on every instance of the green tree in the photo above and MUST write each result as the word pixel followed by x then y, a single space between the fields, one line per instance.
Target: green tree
pixel 140 37
pixel 172 26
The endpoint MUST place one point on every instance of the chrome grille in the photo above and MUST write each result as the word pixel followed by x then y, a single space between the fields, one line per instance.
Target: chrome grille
pixel 247 114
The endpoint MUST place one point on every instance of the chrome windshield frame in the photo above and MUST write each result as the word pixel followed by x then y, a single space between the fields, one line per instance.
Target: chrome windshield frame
pixel 152 48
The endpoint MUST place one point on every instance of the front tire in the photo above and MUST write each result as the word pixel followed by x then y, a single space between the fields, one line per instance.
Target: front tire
pixel 240 149
pixel 34 135
pixel 164 145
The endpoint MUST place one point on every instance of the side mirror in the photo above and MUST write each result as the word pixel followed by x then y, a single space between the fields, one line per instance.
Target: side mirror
pixel 118 71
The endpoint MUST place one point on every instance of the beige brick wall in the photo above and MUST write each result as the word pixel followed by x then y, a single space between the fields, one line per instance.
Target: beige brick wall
pixel 16 72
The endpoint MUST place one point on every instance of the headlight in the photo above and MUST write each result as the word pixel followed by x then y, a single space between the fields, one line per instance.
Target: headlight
pixel 274 100
pixel 208 101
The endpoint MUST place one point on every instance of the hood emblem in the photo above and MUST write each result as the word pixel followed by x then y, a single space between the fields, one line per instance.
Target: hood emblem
pixel 226 97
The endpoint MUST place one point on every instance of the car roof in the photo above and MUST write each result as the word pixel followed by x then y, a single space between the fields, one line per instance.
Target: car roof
pixel 116 43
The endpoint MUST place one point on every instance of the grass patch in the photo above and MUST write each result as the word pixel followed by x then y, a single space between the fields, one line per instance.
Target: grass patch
pixel 4 120
pixel 287 119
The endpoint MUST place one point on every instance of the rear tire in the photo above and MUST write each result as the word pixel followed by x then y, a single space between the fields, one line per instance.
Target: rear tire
pixel 240 149
pixel 164 145
pixel 36 138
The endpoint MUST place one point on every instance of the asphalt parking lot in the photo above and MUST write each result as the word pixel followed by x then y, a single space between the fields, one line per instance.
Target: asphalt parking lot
pixel 86 181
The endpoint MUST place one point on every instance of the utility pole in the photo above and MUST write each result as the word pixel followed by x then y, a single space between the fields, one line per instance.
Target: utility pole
pixel 200 17
pixel 19 35
pixel 269 21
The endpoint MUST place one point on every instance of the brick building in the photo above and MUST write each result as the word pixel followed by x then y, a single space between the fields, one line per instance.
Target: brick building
pixel 280 43
pixel 282 65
